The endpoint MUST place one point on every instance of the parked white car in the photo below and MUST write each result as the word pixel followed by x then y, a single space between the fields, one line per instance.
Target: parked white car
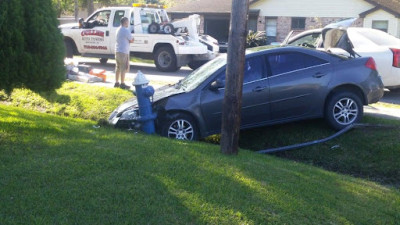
pixel 383 47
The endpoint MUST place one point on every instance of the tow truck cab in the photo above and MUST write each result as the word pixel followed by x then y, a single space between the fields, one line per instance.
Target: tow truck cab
pixel 96 36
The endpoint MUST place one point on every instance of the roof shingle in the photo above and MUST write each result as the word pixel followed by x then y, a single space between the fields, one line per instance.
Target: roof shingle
pixel 224 6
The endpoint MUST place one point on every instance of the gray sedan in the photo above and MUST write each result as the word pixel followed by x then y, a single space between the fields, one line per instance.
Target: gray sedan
pixel 280 85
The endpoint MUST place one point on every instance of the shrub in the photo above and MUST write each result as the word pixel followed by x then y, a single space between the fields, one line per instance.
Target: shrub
pixel 255 39
pixel 32 46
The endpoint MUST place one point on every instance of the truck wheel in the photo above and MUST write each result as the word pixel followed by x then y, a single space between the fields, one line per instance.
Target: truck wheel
pixel 168 28
pixel 196 64
pixel 154 28
pixel 69 49
pixel 103 61
pixel 165 59
pixel 343 109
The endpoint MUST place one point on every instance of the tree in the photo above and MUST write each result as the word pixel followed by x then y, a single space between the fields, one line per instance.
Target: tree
pixel 32 46
pixel 12 44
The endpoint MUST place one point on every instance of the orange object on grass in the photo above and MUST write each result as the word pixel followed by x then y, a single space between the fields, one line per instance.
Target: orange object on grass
pixel 99 73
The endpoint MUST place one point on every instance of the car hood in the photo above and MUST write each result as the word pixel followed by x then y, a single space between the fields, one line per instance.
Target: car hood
pixel 69 26
pixel 335 35
pixel 159 94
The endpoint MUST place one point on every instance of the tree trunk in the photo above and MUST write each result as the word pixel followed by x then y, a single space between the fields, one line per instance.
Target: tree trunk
pixel 234 77
pixel 90 7
pixel 59 11
pixel 76 10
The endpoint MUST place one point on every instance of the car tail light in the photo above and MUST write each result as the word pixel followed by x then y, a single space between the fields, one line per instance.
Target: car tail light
pixel 396 57
pixel 371 64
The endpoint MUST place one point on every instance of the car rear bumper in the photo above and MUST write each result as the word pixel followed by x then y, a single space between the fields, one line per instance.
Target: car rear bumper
pixel 376 91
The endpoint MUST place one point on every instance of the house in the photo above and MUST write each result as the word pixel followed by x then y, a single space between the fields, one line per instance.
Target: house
pixel 278 17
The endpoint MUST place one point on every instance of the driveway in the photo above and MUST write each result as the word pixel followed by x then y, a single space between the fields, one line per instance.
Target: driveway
pixel 388 107
pixel 155 77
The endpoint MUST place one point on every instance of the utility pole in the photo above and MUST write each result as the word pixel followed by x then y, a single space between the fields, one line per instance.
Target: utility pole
pixel 234 78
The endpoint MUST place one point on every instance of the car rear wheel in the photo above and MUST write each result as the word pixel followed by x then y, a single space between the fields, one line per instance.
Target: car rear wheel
pixel 181 127
pixel 343 109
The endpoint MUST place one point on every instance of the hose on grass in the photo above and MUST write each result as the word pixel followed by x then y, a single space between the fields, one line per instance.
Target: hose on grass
pixel 302 145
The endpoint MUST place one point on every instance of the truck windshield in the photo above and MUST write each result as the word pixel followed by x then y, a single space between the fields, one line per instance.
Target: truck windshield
pixel 198 76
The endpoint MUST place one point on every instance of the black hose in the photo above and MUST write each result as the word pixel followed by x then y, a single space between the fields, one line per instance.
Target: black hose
pixel 290 147
pixel 351 126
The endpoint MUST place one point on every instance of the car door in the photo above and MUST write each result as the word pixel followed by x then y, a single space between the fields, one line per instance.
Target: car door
pixel 254 98
pixel 96 34
pixel 298 84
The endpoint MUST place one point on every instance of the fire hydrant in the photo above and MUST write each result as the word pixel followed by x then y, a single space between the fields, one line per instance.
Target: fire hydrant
pixel 143 94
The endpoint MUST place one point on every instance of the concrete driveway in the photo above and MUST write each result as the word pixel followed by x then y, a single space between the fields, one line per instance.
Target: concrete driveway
pixel 155 77
pixel 388 107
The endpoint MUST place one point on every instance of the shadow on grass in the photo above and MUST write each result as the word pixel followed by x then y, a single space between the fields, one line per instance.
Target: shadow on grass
pixel 264 190
pixel 54 97
pixel 88 176
pixel 368 153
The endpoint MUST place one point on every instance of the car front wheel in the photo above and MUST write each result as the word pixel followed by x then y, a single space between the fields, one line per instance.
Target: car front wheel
pixel 181 127
pixel 343 109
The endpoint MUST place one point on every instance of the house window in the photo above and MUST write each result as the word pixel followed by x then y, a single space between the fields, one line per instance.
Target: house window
pixel 380 25
pixel 271 24
pixel 252 24
pixel 298 23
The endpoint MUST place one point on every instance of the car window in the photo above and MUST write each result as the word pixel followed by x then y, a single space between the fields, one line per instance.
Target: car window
pixel 253 70
pixel 291 61
pixel 310 40
pixel 100 19
pixel 117 18
pixel 132 19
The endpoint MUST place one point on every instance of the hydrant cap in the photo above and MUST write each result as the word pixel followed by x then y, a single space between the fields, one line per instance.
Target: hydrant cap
pixel 140 79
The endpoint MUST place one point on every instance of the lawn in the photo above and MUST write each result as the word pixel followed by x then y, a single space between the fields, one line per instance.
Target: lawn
pixel 369 153
pixel 58 170
pixel 71 100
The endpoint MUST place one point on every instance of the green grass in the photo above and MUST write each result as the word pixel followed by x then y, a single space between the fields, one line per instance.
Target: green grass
pixel 367 153
pixel 57 170
pixel 372 153
pixel 72 100
pixel 140 60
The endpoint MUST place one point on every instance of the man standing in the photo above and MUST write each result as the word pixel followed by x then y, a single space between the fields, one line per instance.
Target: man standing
pixel 124 38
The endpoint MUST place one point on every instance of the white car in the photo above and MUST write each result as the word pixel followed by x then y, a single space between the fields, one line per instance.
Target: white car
pixel 383 47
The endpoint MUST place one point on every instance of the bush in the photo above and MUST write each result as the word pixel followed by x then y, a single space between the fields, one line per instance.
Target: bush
pixel 255 39
pixel 32 46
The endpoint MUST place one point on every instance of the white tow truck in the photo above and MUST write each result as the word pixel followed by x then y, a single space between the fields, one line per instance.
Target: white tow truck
pixel 170 44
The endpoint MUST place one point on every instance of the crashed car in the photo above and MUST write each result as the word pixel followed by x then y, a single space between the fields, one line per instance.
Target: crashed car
pixel 356 41
pixel 280 85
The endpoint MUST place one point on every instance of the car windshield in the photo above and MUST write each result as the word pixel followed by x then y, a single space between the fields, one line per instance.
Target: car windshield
pixel 198 76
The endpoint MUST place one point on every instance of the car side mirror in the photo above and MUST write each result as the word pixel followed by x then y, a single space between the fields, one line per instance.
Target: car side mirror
pixel 81 23
pixel 217 84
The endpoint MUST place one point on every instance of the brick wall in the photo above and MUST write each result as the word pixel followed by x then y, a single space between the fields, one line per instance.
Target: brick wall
pixel 284 24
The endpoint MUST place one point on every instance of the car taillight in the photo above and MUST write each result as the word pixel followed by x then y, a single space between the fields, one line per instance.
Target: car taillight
pixel 396 57
pixel 371 64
